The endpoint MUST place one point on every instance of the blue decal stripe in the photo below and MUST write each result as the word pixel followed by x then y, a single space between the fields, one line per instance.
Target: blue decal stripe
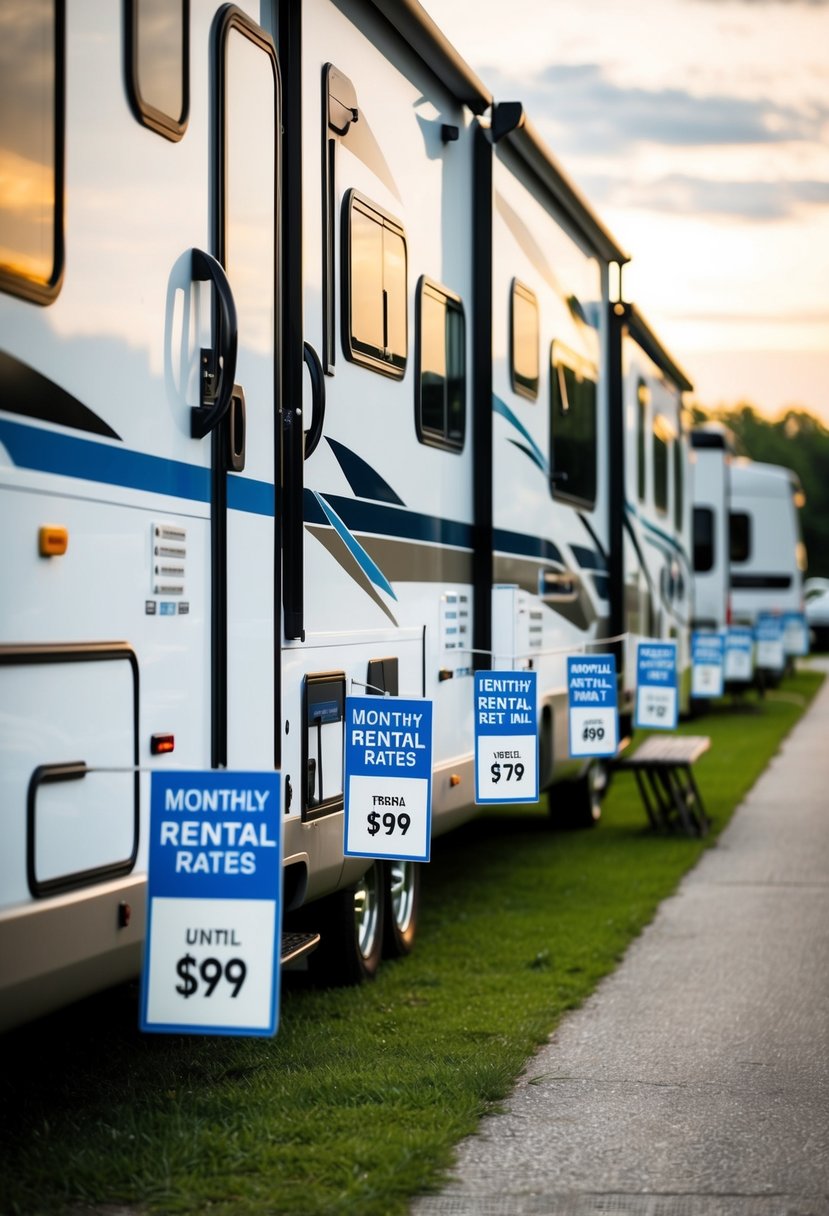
pixel 356 550
pixel 588 559
pixel 663 536
pixel 525 546
pixel 50 452
pixel 501 407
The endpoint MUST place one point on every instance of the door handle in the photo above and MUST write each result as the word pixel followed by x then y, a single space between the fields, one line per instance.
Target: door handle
pixel 218 362
pixel 314 432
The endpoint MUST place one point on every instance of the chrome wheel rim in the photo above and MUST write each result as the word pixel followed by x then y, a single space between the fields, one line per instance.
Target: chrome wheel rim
pixel 402 893
pixel 367 897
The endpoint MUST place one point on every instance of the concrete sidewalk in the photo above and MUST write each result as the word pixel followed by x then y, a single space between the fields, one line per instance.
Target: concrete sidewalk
pixel 695 1081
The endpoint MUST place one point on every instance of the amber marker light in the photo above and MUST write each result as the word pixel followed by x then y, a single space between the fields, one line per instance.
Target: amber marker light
pixel 162 745
pixel 454 779
pixel 52 540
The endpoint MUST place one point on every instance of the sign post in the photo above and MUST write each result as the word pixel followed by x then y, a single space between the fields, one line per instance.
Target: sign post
pixel 388 778
pixel 657 703
pixel 593 705
pixel 506 736
pixel 214 904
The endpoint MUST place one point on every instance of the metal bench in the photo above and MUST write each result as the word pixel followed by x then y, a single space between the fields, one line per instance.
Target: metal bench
pixel 662 767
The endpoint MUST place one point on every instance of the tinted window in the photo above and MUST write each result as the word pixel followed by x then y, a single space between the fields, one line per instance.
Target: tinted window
pixel 31 170
pixel 739 530
pixel 703 539
pixel 524 340
pixel 441 378
pixel 679 453
pixel 158 64
pixel 374 317
pixel 572 427
pixel 660 468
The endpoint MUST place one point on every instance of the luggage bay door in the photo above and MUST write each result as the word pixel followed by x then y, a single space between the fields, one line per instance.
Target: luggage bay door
pixel 246 597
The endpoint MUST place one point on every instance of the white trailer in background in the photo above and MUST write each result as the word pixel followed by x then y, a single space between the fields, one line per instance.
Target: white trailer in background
pixel 768 557
pixel 712 453
pixel 653 523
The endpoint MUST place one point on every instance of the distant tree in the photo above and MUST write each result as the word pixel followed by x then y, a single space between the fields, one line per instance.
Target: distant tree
pixel 799 441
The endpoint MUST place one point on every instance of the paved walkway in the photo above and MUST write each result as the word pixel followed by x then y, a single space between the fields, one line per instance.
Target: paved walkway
pixel 695 1081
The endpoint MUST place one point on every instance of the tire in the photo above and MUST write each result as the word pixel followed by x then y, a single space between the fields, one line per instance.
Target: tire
pixel 402 907
pixel 350 923
pixel 578 804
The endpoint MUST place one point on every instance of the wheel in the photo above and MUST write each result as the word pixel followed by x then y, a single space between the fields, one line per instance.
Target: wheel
pixel 350 923
pixel 578 804
pixel 402 899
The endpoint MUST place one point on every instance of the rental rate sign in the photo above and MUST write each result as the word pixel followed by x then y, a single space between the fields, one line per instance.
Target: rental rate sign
pixel 707 651
pixel 656 690
pixel 768 634
pixel 738 664
pixel 214 904
pixel 795 634
pixel 388 778
pixel 506 737
pixel 593 712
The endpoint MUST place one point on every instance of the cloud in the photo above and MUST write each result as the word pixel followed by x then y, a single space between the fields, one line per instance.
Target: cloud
pixel 592 114
pixel 680 194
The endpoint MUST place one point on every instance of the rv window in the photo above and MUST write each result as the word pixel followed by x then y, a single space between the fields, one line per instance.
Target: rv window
pixel 374 288
pixel 660 468
pixel 158 64
pixel 642 400
pixel 572 427
pixel 524 340
pixel 31 140
pixel 440 406
pixel 739 536
pixel 703 539
pixel 679 454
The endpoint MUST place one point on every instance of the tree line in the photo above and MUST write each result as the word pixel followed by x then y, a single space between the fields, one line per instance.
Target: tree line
pixel 798 440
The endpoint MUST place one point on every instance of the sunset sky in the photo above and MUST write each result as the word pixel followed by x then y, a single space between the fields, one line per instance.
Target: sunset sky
pixel 699 132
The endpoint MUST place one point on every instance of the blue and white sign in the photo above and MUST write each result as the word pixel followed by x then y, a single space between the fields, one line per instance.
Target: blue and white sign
pixel 656 686
pixel 388 778
pixel 214 904
pixel 506 736
pixel 795 634
pixel 738 660
pixel 707 654
pixel 768 636
pixel 593 705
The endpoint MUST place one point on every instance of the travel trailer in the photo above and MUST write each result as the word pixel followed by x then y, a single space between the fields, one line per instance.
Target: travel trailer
pixel 653 520
pixel 768 558
pixel 300 401
pixel 712 455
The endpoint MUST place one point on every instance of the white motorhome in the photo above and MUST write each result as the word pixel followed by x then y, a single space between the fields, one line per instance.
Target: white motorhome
pixel 205 549
pixel 653 520
pixel 768 558
pixel 712 453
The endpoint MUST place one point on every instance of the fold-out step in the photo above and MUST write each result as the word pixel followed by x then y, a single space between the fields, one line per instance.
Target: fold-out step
pixel 297 945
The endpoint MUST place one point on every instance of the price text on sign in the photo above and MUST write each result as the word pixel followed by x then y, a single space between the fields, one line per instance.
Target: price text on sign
pixel 592 705
pixel 506 736
pixel 707 660
pixel 388 778
pixel 656 685
pixel 214 904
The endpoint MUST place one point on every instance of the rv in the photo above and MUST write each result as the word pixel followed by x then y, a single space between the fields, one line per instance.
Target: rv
pixel 300 401
pixel 653 519
pixel 712 455
pixel 767 555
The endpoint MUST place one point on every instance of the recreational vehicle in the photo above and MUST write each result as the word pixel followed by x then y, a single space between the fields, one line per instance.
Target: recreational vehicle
pixel 768 558
pixel 712 452
pixel 300 401
pixel 653 520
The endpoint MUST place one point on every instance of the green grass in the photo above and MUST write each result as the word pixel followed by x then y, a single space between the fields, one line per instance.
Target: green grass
pixel 356 1105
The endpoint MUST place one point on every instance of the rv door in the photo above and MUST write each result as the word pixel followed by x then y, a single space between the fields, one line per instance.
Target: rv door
pixel 240 398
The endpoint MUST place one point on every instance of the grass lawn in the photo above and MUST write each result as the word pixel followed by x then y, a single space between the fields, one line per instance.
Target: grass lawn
pixel 356 1105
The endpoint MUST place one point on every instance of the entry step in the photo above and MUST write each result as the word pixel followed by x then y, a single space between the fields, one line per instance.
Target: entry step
pixel 296 945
